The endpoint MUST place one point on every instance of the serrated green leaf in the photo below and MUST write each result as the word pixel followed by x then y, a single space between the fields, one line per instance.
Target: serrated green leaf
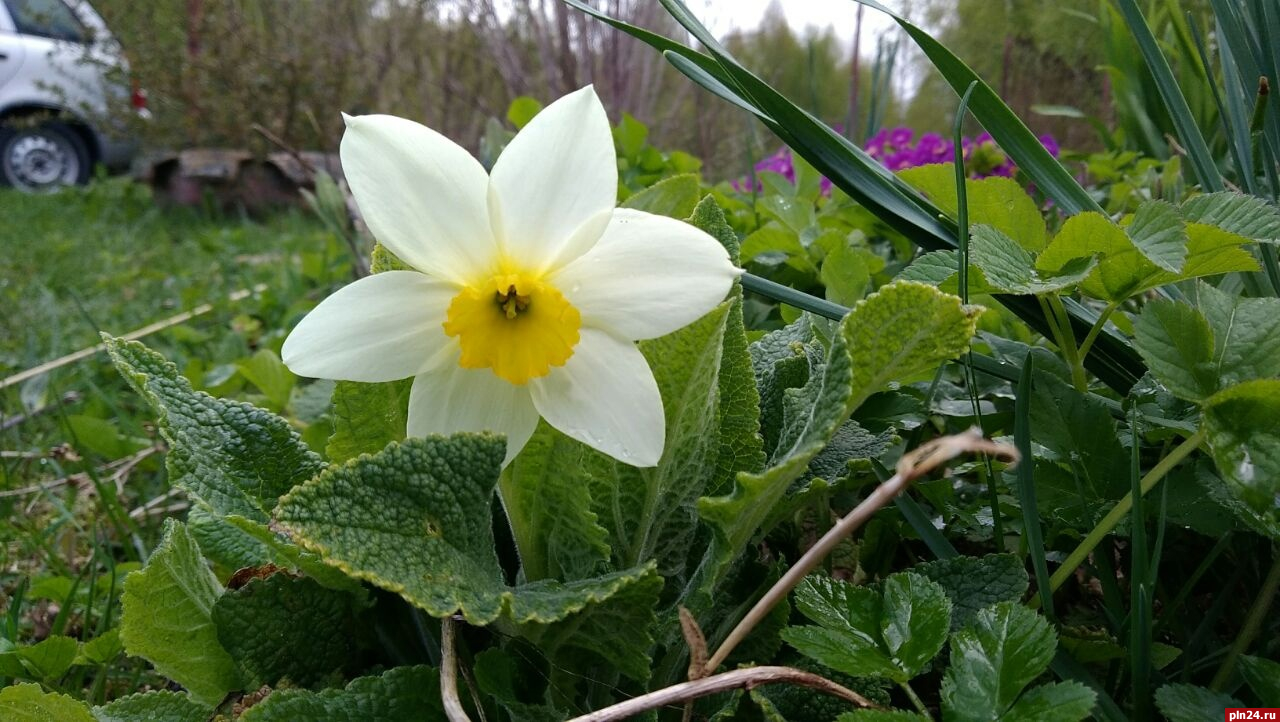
pixel 840 605
pixel 1243 215
pixel 1176 342
pixel 29 703
pixel 890 633
pixel 1242 425
pixel 1005 648
pixel 166 618
pixel 1083 235
pixel 1263 676
pixel 159 706
pixel 933 268
pixel 1081 434
pixel 1159 233
pixel 1246 334
pixel 1188 703
pixel 1054 702
pixel 545 493
pixel 995 201
pixel 902 330
pixel 917 618
pixel 415 519
pixel 367 417
pixel 233 457
pixel 403 694
pixel 282 628
pixel 975 583
pixel 843 652
pixel 1008 268
pixel 674 197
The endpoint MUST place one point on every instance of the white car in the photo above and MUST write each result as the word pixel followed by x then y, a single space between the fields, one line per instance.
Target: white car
pixel 60 95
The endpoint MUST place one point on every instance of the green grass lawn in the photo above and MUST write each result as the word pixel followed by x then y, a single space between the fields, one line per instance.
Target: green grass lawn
pixel 78 467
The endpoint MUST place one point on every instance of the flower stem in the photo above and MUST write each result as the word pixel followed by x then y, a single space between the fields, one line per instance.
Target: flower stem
pixel 1252 624
pixel 1097 329
pixel 1118 512
pixel 1066 339
pixel 915 699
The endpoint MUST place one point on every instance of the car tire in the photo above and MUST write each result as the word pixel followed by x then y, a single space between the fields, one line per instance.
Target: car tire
pixel 43 157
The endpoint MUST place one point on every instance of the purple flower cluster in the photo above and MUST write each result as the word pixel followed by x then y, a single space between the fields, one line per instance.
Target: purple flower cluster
pixel 898 148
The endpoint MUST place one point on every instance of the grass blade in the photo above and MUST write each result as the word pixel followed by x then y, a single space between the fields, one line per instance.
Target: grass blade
pixel 1175 102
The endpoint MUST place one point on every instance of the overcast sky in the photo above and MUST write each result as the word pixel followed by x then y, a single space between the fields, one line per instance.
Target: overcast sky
pixel 724 15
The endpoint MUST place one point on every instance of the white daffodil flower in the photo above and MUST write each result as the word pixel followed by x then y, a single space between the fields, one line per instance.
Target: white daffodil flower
pixel 529 287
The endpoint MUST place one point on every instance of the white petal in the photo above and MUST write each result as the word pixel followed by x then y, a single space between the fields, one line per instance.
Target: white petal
pixel 450 399
pixel 423 196
pixel 606 397
pixel 647 276
pixel 383 327
pixel 558 174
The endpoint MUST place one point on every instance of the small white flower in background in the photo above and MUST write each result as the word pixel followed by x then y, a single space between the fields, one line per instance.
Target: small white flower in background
pixel 529 287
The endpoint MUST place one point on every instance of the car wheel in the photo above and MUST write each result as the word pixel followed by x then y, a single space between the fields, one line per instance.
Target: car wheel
pixel 42 158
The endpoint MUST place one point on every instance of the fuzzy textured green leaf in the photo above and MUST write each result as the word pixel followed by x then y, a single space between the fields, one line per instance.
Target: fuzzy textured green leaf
pixel 166 618
pixel 975 583
pixel 232 457
pixel 902 330
pixel 1189 703
pixel 993 659
pixel 367 417
pixel 158 706
pixel 1242 426
pixel 781 360
pixel 403 694
pixel 29 703
pixel 650 512
pixel 285 628
pixel 415 519
pixel 1176 342
pixel 545 493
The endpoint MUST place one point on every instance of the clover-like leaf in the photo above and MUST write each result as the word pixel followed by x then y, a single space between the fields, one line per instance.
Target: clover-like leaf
pixel 166 618
pixel 1189 703
pixel 893 632
pixel 993 659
